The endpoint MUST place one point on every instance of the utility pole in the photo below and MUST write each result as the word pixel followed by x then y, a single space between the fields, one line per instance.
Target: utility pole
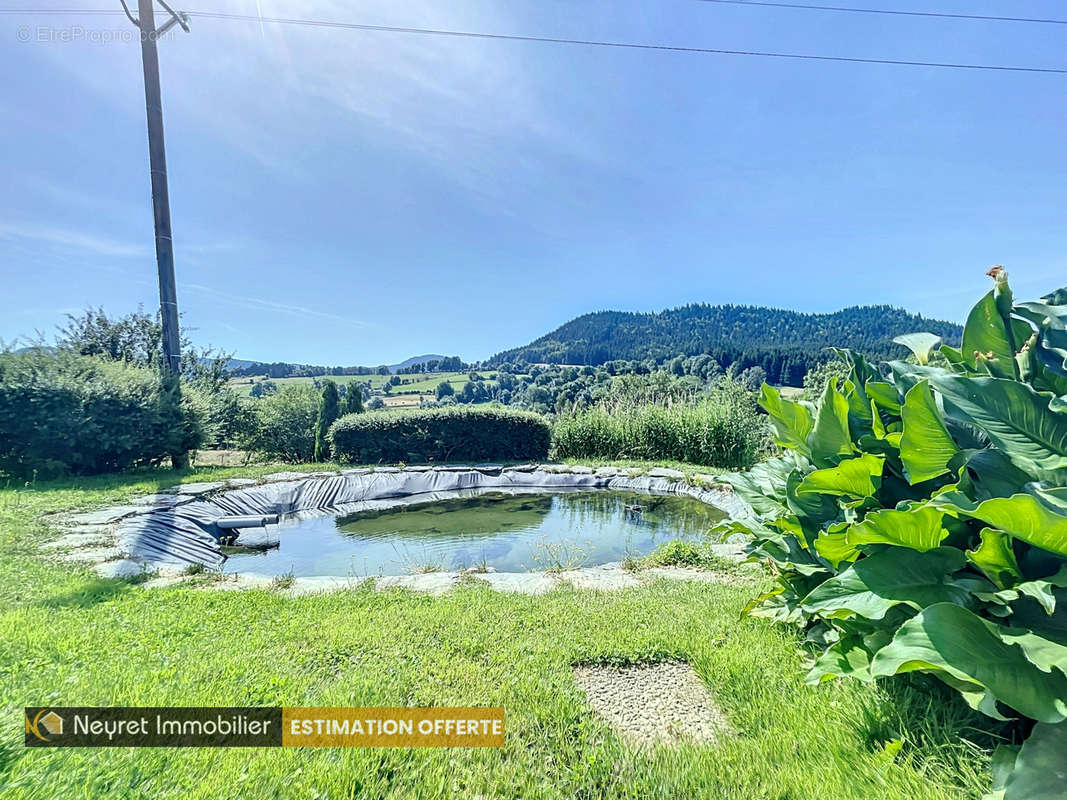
pixel 168 293
pixel 177 441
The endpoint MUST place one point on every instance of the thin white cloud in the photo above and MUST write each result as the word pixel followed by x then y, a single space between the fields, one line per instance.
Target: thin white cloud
pixel 71 239
pixel 263 304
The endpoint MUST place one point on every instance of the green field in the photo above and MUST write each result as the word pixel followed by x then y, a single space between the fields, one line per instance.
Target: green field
pixel 70 638
pixel 419 383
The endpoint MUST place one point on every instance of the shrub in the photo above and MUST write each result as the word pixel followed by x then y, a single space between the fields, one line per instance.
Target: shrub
pixel 329 411
pixel 441 434
pixel 285 426
pixel 66 413
pixel 918 521
pixel 725 430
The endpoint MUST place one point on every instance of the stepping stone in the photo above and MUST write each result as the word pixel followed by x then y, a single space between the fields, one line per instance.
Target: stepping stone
pixel 104 515
pixel 579 470
pixel 90 556
pixel 605 580
pixel 687 574
pixel 418 468
pixel 606 472
pixel 519 582
pixel 662 472
pixel 120 569
pixel 78 540
pixel 357 471
pixel 285 476
pixel 387 469
pixel 240 483
pixel 653 704
pixel 201 488
pixel 161 500
pixel 734 552
pixel 431 582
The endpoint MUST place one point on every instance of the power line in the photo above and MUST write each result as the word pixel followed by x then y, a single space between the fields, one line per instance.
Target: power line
pixel 852 10
pixel 587 42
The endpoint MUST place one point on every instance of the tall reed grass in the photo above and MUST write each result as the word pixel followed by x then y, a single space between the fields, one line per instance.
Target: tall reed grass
pixel 724 429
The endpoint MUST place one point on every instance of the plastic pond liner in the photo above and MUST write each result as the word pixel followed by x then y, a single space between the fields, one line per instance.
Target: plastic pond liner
pixel 390 521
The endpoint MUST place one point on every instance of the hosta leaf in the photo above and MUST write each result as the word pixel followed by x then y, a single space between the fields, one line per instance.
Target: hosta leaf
pixel 787 554
pixel 919 529
pixel 926 448
pixel 830 439
pixel 996 559
pixel 845 658
pixel 792 422
pixel 988 333
pixel 855 477
pixel 835 548
pixel 921 344
pixel 1014 417
pixel 884 395
pixel 955 643
pixel 873 585
pixel 1040 771
pixel 1035 517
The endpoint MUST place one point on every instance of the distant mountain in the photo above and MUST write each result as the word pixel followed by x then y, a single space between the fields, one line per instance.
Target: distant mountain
pixel 407 362
pixel 785 343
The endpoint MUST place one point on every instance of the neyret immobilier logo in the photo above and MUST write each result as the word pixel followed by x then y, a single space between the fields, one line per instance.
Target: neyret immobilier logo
pixel 264 727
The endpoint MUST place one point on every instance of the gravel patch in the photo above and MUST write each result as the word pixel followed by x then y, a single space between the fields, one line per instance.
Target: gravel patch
pixel 653 704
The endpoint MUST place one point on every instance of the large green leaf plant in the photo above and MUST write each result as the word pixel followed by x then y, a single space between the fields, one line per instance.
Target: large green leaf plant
pixel 917 521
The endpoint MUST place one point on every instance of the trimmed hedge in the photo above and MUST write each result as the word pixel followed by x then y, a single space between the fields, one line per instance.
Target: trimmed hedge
pixel 492 433
pixel 65 413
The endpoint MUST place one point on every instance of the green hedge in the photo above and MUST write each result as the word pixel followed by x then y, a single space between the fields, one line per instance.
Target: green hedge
pixel 63 413
pixel 441 434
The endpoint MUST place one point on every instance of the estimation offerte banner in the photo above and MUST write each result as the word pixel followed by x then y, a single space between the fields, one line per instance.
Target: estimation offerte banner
pixel 264 727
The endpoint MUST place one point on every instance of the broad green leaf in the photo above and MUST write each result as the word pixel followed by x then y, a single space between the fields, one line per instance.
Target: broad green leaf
pixel 792 422
pixel 989 338
pixel 926 447
pixel 830 439
pixel 918 529
pixel 996 559
pixel 1014 417
pixel 855 477
pixel 763 486
pixel 813 510
pixel 921 344
pixel 873 585
pixel 990 473
pixel 1002 765
pixel 787 554
pixel 955 643
pixel 1040 771
pixel 884 395
pixel 1045 654
pixel 1056 298
pixel 845 658
pixel 1024 516
pixel 835 548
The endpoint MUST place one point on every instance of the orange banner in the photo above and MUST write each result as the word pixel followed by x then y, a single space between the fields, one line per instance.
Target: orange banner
pixel 392 727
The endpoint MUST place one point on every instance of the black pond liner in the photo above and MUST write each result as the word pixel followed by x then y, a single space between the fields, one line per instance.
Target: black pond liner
pixel 189 534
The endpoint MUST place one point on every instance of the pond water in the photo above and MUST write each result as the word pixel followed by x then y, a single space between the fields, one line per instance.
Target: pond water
pixel 511 533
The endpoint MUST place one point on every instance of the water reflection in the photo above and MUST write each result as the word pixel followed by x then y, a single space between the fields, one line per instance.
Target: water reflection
pixel 510 533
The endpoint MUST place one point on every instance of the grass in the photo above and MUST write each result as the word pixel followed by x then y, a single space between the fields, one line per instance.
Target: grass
pixel 70 638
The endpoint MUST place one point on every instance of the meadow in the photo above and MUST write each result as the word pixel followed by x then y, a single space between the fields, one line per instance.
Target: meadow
pixel 69 637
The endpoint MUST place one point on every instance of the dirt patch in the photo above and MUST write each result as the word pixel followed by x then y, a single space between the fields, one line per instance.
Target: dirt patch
pixel 652 704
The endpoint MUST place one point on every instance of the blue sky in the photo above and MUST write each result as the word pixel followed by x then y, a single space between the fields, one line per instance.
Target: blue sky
pixel 351 197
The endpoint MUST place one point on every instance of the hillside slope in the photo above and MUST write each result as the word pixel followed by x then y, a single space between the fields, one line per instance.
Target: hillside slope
pixel 727 332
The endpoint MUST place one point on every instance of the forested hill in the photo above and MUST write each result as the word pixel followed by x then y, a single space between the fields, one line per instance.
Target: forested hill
pixel 783 342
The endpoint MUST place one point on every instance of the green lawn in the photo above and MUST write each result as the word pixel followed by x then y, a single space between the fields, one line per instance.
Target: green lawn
pixel 69 638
